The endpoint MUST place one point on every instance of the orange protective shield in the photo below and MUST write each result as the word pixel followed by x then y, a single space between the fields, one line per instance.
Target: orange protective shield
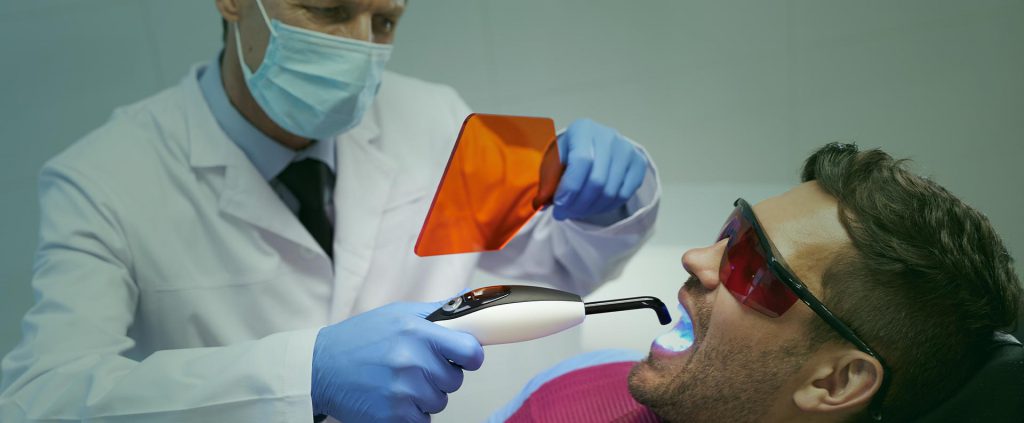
pixel 502 170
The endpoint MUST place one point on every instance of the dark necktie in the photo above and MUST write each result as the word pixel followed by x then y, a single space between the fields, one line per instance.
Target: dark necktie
pixel 309 180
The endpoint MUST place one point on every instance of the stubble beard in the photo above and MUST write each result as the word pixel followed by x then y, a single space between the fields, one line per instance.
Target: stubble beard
pixel 727 382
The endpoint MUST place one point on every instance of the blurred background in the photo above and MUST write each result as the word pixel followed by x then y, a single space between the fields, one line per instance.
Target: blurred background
pixel 728 96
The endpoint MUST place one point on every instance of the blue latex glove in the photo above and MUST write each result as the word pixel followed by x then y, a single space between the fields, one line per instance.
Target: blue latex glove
pixel 603 170
pixel 390 364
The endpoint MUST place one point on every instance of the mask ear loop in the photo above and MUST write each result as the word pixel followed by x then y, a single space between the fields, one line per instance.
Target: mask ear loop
pixel 238 36
pixel 266 19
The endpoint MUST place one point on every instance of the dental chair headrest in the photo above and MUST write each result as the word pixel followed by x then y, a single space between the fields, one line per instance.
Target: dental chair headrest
pixel 995 394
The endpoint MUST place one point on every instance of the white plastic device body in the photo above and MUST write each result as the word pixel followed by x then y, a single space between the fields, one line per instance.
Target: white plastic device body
pixel 517 322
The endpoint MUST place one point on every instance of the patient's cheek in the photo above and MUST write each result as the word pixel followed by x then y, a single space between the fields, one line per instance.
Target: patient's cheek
pixel 737 326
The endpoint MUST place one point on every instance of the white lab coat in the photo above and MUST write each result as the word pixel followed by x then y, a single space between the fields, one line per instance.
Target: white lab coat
pixel 173 285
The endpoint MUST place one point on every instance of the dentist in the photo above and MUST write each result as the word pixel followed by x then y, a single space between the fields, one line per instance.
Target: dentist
pixel 234 248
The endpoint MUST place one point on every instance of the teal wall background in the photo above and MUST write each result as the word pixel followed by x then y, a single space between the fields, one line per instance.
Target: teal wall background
pixel 729 96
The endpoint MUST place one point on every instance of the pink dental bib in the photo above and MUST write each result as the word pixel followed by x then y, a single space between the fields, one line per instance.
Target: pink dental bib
pixel 593 394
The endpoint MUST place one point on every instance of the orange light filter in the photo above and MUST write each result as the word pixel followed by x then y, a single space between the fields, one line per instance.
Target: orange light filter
pixel 502 170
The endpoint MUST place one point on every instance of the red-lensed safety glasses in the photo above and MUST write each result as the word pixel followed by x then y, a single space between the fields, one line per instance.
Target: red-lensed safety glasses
pixel 754 272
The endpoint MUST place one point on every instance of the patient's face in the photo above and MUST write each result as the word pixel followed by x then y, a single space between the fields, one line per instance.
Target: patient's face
pixel 743 365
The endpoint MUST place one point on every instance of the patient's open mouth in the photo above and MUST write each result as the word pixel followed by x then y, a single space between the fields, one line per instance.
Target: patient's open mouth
pixel 679 338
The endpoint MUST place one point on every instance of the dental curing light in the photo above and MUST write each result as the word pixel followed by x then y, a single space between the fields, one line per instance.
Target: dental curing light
pixel 503 314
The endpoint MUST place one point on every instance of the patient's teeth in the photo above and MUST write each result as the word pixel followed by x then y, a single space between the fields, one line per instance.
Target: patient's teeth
pixel 680 337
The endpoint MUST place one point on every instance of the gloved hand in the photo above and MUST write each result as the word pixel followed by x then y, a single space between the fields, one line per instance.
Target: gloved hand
pixel 603 170
pixel 390 364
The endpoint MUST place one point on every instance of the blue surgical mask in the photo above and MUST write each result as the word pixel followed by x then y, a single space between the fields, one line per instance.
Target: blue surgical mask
pixel 311 84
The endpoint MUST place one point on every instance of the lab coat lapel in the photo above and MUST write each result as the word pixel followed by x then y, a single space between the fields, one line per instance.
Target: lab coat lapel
pixel 243 193
pixel 249 197
pixel 365 177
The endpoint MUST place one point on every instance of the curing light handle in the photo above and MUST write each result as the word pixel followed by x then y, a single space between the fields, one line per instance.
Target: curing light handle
pixel 634 303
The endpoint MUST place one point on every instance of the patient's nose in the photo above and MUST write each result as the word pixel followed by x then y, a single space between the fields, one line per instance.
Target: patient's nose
pixel 704 262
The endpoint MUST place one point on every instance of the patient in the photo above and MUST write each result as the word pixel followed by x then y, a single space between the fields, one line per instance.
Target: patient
pixel 865 292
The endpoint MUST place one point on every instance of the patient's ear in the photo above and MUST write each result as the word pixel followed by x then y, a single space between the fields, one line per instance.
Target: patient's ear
pixel 841 381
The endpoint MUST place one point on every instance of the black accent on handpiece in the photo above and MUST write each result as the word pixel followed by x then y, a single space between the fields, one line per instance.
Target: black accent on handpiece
pixel 634 303
pixel 490 296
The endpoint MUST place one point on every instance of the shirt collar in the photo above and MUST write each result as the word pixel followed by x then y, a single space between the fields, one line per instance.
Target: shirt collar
pixel 268 156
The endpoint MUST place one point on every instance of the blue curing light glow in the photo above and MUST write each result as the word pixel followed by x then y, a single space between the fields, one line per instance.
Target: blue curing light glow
pixel 681 335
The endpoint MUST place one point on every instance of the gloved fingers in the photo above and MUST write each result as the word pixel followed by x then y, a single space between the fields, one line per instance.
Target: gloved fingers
pixel 460 348
pixel 445 376
pixel 408 411
pixel 423 389
pixel 431 403
pixel 620 157
pixel 594 183
pixel 579 159
pixel 365 367
pixel 634 177
pixel 589 195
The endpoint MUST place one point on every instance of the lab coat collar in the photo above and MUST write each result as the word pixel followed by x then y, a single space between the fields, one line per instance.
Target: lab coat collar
pixel 207 142
pixel 210 146
pixel 244 193
pixel 364 174
pixel 269 156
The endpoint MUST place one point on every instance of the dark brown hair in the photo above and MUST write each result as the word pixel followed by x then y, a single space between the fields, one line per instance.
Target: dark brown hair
pixel 926 282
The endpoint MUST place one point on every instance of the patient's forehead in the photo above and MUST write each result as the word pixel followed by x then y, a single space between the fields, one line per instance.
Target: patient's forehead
pixel 803 223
